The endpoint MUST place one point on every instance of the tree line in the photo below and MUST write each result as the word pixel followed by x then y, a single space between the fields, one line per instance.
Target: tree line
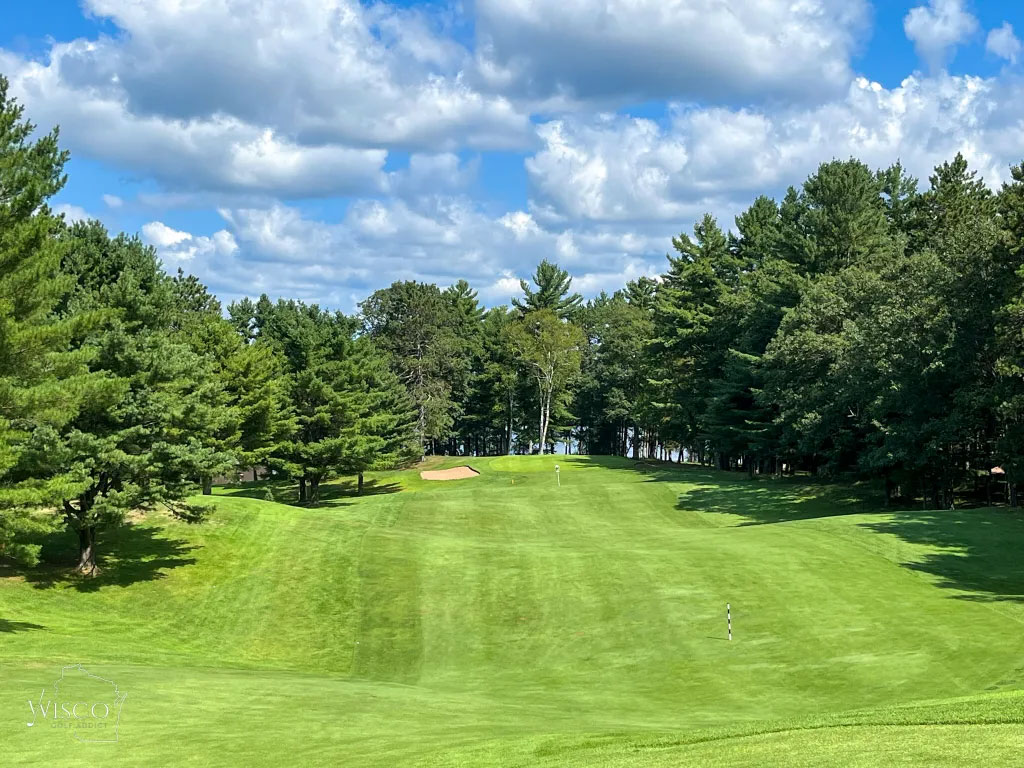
pixel 863 325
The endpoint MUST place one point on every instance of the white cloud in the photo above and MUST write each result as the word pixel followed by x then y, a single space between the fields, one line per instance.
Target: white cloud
pixel 176 246
pixel 938 27
pixel 220 153
pixel 71 213
pixel 320 71
pixel 677 49
pixel 279 251
pixel 290 100
pixel 715 159
pixel 1003 43
pixel 159 234
pixel 112 201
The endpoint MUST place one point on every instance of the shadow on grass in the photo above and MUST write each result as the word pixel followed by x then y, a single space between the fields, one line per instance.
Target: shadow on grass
pixel 127 555
pixel 333 493
pixel 18 626
pixel 760 500
pixel 764 501
pixel 977 551
pixel 982 550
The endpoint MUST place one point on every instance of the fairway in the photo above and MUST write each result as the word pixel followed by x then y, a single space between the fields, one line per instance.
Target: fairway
pixel 506 620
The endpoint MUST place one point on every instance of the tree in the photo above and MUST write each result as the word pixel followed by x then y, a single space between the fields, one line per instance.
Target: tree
pixel 43 382
pixel 689 347
pixel 553 285
pixel 499 381
pixel 614 394
pixel 142 447
pixel 199 324
pixel 415 324
pixel 383 418
pixel 351 412
pixel 550 349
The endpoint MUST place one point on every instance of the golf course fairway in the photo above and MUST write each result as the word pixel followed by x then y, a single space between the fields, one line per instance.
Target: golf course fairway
pixel 506 620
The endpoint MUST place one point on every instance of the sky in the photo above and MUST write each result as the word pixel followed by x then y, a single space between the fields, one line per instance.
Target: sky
pixel 321 149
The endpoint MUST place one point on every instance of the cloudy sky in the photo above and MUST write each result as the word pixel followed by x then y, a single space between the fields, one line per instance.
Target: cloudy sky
pixel 320 149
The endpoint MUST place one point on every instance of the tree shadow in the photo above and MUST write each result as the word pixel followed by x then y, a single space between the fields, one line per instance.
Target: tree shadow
pixel 332 493
pixel 764 501
pixel 126 555
pixel 7 625
pixel 981 549
pixel 760 500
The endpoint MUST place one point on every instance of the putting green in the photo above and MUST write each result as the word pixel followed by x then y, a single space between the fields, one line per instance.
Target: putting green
pixel 509 621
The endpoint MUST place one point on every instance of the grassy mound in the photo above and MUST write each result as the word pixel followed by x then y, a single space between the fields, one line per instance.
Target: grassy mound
pixel 509 621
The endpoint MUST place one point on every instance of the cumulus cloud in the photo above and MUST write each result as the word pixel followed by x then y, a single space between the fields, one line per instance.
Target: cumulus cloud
pixel 255 108
pixel 716 159
pixel 71 213
pixel 678 49
pixel 282 252
pixel 322 71
pixel 1002 42
pixel 290 100
pixel 176 246
pixel 938 27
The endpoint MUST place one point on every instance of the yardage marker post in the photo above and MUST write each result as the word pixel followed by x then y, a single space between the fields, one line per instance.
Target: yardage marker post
pixel 558 479
pixel 728 619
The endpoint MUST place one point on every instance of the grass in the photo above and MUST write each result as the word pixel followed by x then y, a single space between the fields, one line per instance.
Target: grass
pixel 504 621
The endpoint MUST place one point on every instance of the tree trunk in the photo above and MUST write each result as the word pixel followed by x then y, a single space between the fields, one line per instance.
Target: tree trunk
pixel 87 552
pixel 314 490
pixel 255 474
pixel 360 487
pixel 207 485
pixel 540 426
pixel 303 496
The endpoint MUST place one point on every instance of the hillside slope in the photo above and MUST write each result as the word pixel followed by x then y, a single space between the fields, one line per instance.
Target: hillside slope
pixel 504 620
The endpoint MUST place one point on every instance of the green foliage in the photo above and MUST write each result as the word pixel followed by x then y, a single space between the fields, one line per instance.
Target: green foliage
pixel 552 293
pixel 549 350
pixel 43 382
pixel 418 327
pixel 351 412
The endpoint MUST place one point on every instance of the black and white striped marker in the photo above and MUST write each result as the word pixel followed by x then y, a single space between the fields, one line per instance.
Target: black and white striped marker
pixel 728 619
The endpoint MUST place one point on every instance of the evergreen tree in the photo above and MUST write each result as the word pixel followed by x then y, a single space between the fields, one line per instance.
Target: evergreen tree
pixel 145 447
pixel 415 324
pixel 688 346
pixel 552 293
pixel 43 383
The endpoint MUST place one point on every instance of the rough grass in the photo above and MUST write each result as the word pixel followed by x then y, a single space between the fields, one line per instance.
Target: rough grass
pixel 506 621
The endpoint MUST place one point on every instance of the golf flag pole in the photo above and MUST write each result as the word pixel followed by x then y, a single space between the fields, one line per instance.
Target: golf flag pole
pixel 728 619
pixel 558 479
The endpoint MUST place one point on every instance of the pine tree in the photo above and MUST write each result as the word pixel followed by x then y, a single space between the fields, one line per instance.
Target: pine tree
pixel 415 324
pixel 381 418
pixel 43 383
pixel 688 346
pixel 552 293
pixel 143 447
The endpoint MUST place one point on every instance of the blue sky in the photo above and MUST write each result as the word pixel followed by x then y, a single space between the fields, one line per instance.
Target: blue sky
pixel 324 148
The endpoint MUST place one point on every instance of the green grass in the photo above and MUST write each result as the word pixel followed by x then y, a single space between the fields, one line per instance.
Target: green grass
pixel 504 621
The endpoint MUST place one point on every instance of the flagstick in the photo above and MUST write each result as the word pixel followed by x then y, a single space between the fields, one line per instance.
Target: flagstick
pixel 728 619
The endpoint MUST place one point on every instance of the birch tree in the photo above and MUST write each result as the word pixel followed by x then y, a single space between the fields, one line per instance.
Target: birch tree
pixel 550 349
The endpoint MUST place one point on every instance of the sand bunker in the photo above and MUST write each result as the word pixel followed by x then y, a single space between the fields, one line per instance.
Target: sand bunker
pixel 456 473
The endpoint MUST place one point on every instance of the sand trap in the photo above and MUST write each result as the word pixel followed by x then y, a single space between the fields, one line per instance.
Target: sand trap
pixel 456 473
